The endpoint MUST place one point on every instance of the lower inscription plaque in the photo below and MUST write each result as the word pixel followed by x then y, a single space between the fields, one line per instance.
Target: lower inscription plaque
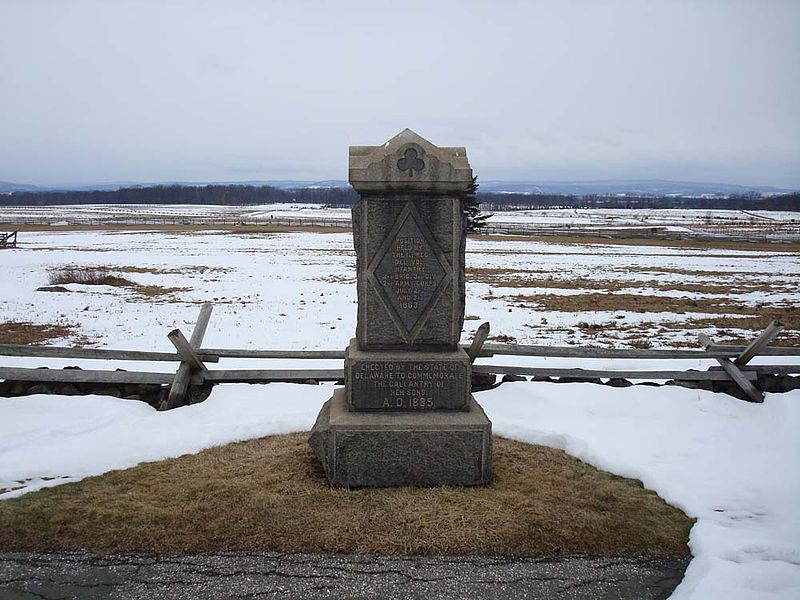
pixel 398 382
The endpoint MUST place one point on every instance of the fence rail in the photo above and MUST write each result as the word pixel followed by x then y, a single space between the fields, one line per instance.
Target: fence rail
pixel 192 370
pixel 8 240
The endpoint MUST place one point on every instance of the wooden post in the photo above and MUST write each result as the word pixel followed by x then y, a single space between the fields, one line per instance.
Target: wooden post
pixel 177 391
pixel 477 343
pixel 185 349
pixel 734 373
pixel 759 343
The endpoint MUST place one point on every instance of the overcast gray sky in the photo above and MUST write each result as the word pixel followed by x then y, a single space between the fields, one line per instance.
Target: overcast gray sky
pixel 156 91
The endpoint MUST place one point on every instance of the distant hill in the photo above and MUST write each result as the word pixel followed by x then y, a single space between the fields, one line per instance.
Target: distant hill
pixel 623 187
pixel 281 184
pixel 7 187
pixel 644 187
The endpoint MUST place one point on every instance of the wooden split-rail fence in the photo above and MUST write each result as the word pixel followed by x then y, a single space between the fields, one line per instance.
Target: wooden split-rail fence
pixel 733 363
pixel 8 240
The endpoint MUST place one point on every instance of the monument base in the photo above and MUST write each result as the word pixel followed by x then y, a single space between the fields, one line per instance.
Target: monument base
pixel 407 381
pixel 384 449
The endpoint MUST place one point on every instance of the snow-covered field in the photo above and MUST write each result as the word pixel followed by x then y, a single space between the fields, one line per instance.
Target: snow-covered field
pixel 605 217
pixel 93 212
pixel 732 465
pixel 773 223
pixel 297 290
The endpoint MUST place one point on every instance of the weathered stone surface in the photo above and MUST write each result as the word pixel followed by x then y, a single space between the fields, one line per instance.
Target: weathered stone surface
pixel 409 163
pixel 408 232
pixel 410 272
pixel 416 381
pixel 381 449
pixel 406 415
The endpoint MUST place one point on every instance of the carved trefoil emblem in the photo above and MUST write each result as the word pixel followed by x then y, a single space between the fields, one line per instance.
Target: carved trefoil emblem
pixel 410 162
pixel 409 273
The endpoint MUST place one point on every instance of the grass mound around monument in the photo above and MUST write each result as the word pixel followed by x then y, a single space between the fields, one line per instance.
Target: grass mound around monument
pixel 271 494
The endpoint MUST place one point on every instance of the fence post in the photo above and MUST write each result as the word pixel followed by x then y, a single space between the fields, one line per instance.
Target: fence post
pixel 734 373
pixel 177 391
pixel 477 343
pixel 757 345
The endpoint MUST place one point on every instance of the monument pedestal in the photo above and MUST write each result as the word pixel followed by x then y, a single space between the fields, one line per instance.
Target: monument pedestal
pixel 381 449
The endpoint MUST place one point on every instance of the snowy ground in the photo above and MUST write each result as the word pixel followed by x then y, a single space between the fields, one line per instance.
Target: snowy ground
pixel 773 224
pixel 643 217
pixel 734 466
pixel 296 290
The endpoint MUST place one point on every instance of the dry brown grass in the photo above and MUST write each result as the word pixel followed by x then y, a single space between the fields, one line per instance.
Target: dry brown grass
pixel 102 276
pixel 591 302
pixel 336 278
pixel 644 241
pixel 271 494
pixel 87 276
pixel 167 294
pixel 24 332
pixel 789 315
pixel 659 270
pixel 731 315
pixel 521 279
pixel 201 269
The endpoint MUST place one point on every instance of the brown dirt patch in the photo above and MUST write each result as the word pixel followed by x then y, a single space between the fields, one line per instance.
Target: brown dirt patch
pixel 756 323
pixel 271 494
pixel 693 272
pixel 336 278
pixel 625 302
pixel 101 276
pixel 147 292
pixel 201 269
pixel 24 332
pixel 726 329
pixel 519 279
pixel 87 276
pixel 735 314
pixel 590 240
pixel 502 338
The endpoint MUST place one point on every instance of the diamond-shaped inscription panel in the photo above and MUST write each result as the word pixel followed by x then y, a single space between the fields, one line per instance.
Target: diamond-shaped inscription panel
pixel 409 272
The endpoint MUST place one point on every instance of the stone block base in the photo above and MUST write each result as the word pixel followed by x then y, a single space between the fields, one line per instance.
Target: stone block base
pixel 406 381
pixel 384 449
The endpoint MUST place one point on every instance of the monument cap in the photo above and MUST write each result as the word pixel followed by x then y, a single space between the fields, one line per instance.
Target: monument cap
pixel 409 163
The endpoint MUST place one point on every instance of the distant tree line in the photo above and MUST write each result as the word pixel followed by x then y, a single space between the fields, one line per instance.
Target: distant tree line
pixel 749 201
pixel 182 194
pixel 343 197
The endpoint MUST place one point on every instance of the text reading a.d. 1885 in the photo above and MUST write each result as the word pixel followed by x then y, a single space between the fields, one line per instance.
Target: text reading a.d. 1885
pixel 410 271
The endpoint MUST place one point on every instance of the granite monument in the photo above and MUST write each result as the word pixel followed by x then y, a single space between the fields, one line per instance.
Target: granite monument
pixel 406 415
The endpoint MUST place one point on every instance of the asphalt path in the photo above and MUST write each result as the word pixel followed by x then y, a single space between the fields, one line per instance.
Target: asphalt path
pixel 68 575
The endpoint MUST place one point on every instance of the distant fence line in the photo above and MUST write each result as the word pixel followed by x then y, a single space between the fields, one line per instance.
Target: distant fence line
pixel 657 232
pixel 780 232
pixel 208 220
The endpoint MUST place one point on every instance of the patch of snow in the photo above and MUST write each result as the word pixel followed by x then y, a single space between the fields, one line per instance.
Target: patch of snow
pixel 732 465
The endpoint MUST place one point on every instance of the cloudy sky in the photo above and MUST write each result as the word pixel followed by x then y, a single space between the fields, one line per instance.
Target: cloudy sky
pixel 143 91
